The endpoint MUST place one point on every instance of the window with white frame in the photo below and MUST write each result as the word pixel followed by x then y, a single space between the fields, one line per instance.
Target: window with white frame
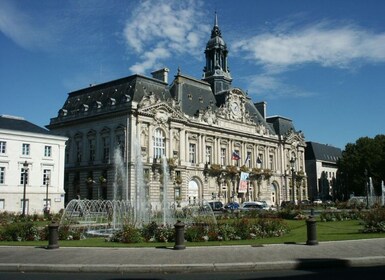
pixel 25 149
pixel 208 154
pixel 24 176
pixel 192 153
pixel 248 159
pixel 47 151
pixel 2 175
pixel 223 156
pixel 2 203
pixel 46 177
pixel 3 147
pixel 159 143
pixel 271 162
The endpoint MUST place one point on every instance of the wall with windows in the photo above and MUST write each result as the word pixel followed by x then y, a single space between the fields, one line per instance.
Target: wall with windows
pixel 34 161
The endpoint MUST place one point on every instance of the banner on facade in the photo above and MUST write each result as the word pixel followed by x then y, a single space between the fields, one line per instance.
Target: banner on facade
pixel 243 182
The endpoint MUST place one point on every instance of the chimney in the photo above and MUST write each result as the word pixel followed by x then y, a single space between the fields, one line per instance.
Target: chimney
pixel 161 74
pixel 261 107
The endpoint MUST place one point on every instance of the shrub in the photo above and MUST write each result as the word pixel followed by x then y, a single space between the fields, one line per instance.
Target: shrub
pixel 165 233
pixel 128 234
pixel 149 230
pixel 70 233
pixel 374 220
pixel 226 232
pixel 25 231
pixel 195 232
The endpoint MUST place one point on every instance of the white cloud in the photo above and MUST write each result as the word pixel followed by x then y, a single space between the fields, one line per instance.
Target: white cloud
pixel 289 47
pixel 326 44
pixel 174 25
pixel 273 86
pixel 21 28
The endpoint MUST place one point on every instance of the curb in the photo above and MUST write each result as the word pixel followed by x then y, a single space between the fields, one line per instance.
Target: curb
pixel 214 267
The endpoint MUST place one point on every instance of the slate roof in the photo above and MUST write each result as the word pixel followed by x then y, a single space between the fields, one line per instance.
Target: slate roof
pixel 19 124
pixel 110 96
pixel 281 125
pixel 193 94
pixel 322 152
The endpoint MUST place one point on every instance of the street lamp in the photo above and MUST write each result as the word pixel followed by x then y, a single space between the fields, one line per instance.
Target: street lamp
pixel 25 169
pixel 46 209
pixel 292 164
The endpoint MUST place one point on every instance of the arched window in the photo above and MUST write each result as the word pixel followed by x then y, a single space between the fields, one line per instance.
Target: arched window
pixel 159 143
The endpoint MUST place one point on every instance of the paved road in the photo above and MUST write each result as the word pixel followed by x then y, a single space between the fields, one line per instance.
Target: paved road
pixel 356 253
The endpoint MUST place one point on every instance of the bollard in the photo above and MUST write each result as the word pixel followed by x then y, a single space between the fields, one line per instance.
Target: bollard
pixel 179 236
pixel 311 225
pixel 53 235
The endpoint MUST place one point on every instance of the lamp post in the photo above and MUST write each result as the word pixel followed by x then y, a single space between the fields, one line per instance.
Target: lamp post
pixel 46 209
pixel 292 164
pixel 25 169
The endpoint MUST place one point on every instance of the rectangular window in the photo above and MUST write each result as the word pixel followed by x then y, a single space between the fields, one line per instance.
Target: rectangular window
pixel 26 205
pixel 24 175
pixel 47 151
pixel 159 144
pixel 223 156
pixel 25 149
pixel 192 153
pixel 271 162
pixel 46 177
pixel 2 204
pixel 106 149
pixel 91 146
pixel 78 151
pixel 260 161
pixel 2 175
pixel 248 159
pixel 3 147
pixel 208 154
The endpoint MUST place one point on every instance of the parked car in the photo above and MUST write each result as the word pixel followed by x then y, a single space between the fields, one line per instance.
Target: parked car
pixel 247 206
pixel 317 201
pixel 232 206
pixel 216 205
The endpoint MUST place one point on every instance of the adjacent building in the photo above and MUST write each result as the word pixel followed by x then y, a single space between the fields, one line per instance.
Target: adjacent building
pixel 208 131
pixel 31 167
pixel 321 169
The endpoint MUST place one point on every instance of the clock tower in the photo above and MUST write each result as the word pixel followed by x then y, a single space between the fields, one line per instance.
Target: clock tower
pixel 216 71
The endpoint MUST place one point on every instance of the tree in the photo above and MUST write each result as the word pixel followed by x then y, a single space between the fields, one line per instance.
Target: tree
pixel 367 154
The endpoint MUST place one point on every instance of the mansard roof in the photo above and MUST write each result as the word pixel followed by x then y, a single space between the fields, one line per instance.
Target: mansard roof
pixel 19 124
pixel 280 125
pixel 194 95
pixel 111 96
pixel 322 152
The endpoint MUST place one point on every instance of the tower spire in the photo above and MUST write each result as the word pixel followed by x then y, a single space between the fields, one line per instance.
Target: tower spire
pixel 216 19
pixel 216 71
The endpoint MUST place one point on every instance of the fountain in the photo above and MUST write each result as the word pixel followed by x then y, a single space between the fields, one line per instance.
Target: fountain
pixel 104 217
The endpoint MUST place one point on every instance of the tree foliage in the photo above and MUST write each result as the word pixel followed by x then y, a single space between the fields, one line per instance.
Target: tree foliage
pixel 359 161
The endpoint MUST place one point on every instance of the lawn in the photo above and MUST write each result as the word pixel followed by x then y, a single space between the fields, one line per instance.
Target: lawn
pixel 326 231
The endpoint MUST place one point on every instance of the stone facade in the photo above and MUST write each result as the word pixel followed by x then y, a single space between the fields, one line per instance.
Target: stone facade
pixel 27 147
pixel 208 131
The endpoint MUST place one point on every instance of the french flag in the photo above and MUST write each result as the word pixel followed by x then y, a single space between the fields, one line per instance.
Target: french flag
pixel 235 156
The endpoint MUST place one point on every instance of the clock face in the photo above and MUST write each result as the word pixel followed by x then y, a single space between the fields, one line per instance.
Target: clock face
pixel 235 108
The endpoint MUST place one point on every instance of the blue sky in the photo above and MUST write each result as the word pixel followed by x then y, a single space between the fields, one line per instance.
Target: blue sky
pixel 319 63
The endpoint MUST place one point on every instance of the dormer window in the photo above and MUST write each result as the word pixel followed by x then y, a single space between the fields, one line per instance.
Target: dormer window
pixel 189 96
pixel 63 112
pixel 97 105
pixel 126 98
pixel 111 101
pixel 84 108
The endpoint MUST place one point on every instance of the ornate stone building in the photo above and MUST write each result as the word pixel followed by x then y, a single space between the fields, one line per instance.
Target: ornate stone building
pixel 208 131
